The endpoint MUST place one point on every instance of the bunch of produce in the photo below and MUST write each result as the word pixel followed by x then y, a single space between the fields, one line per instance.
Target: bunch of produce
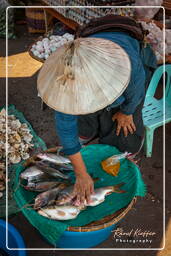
pixel 42 49
pixel 19 144
pixel 19 139
pixel 50 176
pixel 155 38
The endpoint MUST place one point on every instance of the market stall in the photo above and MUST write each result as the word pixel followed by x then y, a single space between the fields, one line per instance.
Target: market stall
pixel 74 17
pixel 36 170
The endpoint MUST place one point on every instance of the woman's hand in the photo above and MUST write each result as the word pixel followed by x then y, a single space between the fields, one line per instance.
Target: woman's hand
pixel 124 122
pixel 83 188
pixel 84 185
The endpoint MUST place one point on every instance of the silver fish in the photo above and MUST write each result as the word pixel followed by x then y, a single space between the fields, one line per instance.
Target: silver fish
pixel 53 158
pixel 31 172
pixel 48 197
pixel 41 186
pixel 60 167
pixel 65 212
pixel 64 196
pixel 95 199
pixel 51 171
pixel 100 193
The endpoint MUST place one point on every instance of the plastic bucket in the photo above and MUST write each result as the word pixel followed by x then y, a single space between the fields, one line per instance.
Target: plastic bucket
pixel 88 239
pixel 91 236
pixel 15 240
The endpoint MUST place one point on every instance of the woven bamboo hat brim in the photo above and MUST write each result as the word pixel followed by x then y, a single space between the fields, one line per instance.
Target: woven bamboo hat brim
pixel 84 76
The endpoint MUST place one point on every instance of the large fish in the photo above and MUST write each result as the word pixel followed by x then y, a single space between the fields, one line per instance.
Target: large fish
pixel 31 173
pixel 51 171
pixel 59 167
pixel 41 186
pixel 64 196
pixel 54 158
pixel 48 197
pixel 67 212
pixel 100 193
pixel 95 199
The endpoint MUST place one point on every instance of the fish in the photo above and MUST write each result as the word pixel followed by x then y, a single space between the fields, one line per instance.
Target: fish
pixel 48 197
pixel 64 196
pixel 41 186
pixel 53 158
pixel 60 167
pixel 69 211
pixel 95 199
pixel 31 172
pixel 34 174
pixel 44 177
pixel 100 193
pixel 51 171
pixel 66 212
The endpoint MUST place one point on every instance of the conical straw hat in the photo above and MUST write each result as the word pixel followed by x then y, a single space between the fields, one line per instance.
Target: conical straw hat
pixel 84 76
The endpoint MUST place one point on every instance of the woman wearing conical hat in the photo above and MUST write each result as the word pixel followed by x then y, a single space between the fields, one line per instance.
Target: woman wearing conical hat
pixel 96 85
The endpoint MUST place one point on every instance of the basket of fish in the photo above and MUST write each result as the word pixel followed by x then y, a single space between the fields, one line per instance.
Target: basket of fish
pixel 45 185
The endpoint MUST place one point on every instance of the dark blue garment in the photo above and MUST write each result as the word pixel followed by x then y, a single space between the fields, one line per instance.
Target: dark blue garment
pixel 66 125
pixel 135 91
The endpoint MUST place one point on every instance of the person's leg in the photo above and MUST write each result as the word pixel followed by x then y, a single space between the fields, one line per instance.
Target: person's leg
pixel 132 142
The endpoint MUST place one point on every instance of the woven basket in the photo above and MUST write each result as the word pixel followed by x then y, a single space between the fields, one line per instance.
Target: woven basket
pixel 95 225
pixel 106 221
pixel 30 52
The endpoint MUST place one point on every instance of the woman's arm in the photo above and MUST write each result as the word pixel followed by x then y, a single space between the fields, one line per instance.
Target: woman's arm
pixel 67 130
pixel 134 95
pixel 84 185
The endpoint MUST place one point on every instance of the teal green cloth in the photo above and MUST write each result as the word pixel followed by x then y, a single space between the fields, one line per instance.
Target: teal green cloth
pixel 92 155
pixel 38 143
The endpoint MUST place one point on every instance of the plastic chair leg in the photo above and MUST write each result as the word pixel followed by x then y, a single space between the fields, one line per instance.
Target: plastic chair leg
pixel 149 142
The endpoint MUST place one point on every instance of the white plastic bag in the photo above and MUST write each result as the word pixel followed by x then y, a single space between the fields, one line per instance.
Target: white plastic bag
pixel 147 13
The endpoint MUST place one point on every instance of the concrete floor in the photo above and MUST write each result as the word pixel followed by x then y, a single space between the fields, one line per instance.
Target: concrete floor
pixel 147 214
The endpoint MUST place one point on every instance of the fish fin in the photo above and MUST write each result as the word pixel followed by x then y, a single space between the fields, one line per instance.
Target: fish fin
pixel 119 191
pixel 116 188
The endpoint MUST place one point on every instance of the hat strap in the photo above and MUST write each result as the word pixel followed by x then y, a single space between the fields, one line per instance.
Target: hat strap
pixel 68 70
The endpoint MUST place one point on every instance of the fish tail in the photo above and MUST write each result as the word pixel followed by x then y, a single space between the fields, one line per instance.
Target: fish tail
pixel 116 188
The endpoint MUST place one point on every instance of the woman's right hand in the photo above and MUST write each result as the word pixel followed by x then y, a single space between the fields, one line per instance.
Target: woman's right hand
pixel 83 188
pixel 84 185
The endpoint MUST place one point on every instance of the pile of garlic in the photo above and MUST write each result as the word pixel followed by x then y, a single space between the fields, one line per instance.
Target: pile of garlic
pixel 43 49
pixel 19 139
pixel 155 38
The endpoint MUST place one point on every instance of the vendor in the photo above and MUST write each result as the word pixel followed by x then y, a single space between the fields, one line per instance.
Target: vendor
pixel 118 124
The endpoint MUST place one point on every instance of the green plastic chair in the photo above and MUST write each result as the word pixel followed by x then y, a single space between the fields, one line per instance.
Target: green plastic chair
pixel 153 110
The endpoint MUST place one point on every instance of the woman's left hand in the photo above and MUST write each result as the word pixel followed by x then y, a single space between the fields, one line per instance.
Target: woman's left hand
pixel 124 122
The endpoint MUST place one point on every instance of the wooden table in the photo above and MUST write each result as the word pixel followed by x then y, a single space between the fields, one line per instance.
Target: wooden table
pixel 74 25
pixel 68 22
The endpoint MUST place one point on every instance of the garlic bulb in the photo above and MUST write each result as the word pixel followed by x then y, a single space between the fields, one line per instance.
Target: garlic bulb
pixel 155 38
pixel 43 49
pixel 19 139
